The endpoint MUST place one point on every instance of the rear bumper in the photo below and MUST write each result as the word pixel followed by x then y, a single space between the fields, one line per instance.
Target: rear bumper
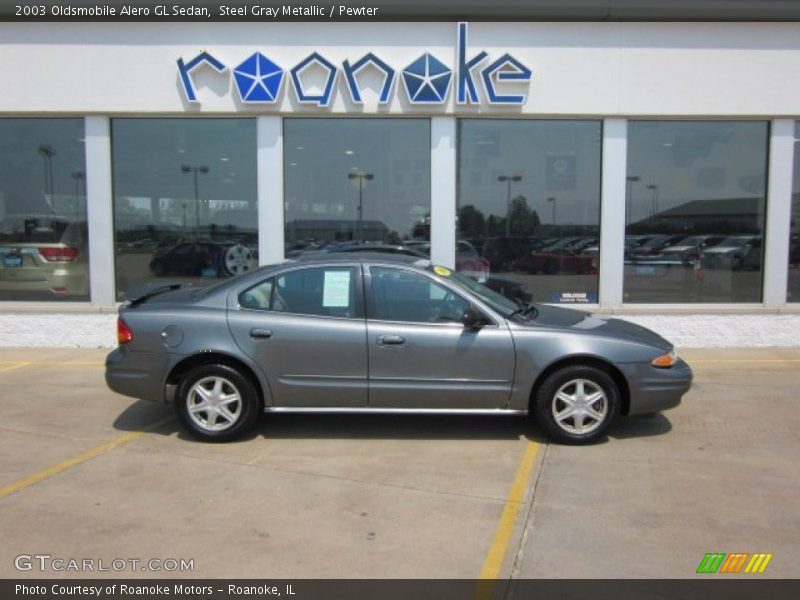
pixel 136 374
pixel 653 389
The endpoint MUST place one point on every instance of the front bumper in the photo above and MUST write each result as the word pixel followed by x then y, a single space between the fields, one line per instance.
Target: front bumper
pixel 653 389
pixel 136 374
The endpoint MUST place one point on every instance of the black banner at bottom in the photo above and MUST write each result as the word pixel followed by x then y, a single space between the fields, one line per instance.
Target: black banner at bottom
pixel 734 588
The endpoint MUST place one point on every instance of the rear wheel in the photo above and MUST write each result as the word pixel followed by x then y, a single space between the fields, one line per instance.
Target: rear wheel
pixel 577 404
pixel 216 403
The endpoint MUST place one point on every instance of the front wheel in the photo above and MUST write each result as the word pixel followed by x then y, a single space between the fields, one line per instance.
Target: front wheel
pixel 577 404
pixel 216 403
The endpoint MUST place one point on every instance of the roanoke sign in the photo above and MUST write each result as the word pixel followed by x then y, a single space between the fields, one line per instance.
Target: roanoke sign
pixel 259 80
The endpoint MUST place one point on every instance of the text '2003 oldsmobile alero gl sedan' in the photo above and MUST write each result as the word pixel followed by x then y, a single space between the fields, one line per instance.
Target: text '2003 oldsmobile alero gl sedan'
pixel 370 333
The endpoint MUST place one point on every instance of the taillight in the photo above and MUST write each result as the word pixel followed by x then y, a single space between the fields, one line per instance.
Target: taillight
pixel 67 254
pixel 124 333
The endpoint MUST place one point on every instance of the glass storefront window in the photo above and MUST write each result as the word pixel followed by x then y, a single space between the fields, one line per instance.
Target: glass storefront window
pixel 793 290
pixel 696 195
pixel 357 184
pixel 44 246
pixel 184 199
pixel 529 207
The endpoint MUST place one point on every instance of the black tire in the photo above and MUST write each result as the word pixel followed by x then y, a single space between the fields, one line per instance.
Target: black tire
pixel 218 428
pixel 567 429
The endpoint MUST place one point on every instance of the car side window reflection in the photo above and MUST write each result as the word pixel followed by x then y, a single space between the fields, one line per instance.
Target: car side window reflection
pixel 326 292
pixel 404 296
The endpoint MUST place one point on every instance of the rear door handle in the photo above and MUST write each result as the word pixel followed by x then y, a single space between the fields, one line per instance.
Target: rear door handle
pixel 391 340
pixel 258 332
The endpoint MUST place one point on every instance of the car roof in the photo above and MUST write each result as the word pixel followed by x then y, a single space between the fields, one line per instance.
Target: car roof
pixel 329 257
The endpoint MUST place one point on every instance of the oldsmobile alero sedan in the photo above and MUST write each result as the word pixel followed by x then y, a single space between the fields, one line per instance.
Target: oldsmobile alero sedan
pixel 373 333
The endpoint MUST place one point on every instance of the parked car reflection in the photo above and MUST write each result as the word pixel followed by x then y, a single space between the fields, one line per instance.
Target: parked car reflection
pixel 205 259
pixel 43 257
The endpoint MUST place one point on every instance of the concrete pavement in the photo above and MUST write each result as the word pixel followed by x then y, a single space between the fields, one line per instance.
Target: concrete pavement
pixel 412 497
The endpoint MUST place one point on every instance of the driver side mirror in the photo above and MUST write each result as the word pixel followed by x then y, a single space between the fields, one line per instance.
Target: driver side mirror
pixel 472 318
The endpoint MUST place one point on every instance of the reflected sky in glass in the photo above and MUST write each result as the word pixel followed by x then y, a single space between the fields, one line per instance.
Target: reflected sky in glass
pixel 42 166
pixel 555 159
pixel 326 160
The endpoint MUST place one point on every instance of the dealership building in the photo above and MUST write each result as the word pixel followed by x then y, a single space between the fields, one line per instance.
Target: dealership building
pixel 627 165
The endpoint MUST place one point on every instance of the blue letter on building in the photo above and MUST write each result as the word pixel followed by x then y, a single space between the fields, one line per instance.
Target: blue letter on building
pixel 350 72
pixel 516 72
pixel 186 68
pixel 465 88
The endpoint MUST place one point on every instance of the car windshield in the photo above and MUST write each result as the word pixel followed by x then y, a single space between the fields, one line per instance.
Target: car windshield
pixel 496 301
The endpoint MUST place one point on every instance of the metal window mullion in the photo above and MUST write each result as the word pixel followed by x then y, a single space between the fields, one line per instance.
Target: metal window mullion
pixel 779 212
pixel 270 189
pixel 100 210
pixel 443 191
pixel 612 211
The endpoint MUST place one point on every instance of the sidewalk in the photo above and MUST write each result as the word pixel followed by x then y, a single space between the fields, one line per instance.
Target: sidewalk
pixel 685 331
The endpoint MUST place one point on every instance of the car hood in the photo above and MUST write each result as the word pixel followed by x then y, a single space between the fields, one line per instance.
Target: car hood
pixel 582 321
pixel 722 250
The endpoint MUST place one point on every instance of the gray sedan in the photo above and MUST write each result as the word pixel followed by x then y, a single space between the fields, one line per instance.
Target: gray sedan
pixel 368 333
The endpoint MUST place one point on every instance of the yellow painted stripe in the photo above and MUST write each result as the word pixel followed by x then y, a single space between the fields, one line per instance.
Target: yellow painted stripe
pixel 744 360
pixel 763 567
pixel 17 365
pixel 93 363
pixel 30 480
pixel 516 494
pixel 752 566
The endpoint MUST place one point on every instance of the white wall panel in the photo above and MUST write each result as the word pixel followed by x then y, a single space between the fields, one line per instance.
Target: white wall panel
pixel 607 69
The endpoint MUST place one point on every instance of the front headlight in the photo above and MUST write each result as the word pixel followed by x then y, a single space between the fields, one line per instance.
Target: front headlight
pixel 665 361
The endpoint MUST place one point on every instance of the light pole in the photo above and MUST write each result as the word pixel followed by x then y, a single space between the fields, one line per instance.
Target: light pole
pixel 47 153
pixel 361 177
pixel 630 179
pixel 202 169
pixel 654 201
pixel 553 200
pixel 508 179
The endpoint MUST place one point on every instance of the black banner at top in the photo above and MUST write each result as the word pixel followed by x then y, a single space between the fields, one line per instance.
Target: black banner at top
pixel 400 10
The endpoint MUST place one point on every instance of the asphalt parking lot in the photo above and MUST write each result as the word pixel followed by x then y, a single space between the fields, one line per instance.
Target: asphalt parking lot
pixel 87 474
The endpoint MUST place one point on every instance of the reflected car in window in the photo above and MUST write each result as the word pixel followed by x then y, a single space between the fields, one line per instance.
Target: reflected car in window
pixel 559 260
pixel 737 253
pixel 204 259
pixel 43 257
pixel 377 334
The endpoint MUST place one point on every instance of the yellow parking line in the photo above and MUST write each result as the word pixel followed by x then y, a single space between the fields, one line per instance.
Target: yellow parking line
pixel 516 494
pixel 16 365
pixel 93 363
pixel 744 360
pixel 28 481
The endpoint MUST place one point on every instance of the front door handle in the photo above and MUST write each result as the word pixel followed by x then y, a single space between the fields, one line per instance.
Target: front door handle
pixel 260 333
pixel 391 340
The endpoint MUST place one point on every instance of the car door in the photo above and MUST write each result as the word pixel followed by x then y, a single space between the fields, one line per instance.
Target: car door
pixel 420 353
pixel 183 260
pixel 305 327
